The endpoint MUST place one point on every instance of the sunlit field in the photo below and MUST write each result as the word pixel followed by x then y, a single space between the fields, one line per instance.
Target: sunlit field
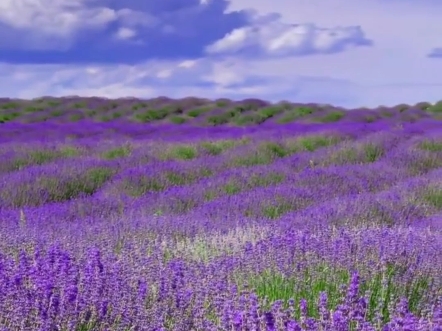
pixel 195 215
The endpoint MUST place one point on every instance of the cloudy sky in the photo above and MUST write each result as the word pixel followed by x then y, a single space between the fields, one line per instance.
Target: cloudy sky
pixel 345 52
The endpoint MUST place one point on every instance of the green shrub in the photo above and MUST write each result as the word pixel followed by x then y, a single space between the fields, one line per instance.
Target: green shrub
pixel 177 119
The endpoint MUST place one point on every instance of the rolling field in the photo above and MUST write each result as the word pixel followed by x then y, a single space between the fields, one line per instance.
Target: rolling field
pixel 203 215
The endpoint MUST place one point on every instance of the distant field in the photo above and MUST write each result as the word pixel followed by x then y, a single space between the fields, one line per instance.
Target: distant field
pixel 198 214
pixel 202 112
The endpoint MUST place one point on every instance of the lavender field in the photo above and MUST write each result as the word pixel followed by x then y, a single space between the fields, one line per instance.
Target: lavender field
pixel 223 215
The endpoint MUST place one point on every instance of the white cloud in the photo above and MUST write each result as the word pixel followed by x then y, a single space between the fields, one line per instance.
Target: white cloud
pixel 55 24
pixel 132 18
pixel 270 37
pixel 59 18
pixel 187 64
pixel 125 33
pixel 164 73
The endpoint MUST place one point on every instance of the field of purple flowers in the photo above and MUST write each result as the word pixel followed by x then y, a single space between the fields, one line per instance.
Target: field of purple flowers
pixel 199 215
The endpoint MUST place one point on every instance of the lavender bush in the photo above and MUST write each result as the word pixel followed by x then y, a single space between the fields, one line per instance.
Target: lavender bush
pixel 330 221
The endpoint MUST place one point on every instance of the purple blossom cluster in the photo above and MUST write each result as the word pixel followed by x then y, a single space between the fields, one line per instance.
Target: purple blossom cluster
pixel 302 226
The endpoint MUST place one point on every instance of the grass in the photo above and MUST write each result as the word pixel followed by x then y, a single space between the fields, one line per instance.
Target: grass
pixel 117 153
pixel 331 117
pixel 69 151
pixel 431 145
pixel 373 152
pixel 47 189
pixel 294 114
pixel 196 112
pixel 76 117
pixel 218 119
pixel 274 211
pixel 433 196
pixel 308 284
pixel 139 185
pixel 177 119
pixel 272 178
pixel 151 115
pixel 180 152
pixel 436 108
pixel 217 147
pixel 267 152
pixel 249 119
pixel 35 157
pixel 9 117
pixel 10 105
pixel 231 188
pixel 33 109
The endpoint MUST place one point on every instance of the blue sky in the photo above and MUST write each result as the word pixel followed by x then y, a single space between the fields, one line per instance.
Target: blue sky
pixel 344 52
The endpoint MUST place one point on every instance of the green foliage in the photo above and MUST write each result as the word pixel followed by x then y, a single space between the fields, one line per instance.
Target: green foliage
pixel 105 118
pixel 343 156
pixel 8 117
pixel 139 106
pixel 90 112
pixel 198 111
pixel 271 285
pixel 53 103
pixel 56 113
pixel 33 109
pixel 433 196
pixel 76 117
pixel 266 180
pixel 151 115
pixel 276 210
pixel 312 143
pixel 10 105
pixel 231 188
pixel 35 157
pixel 426 162
pixel 373 152
pixel 253 118
pixel 218 119
pixel 331 117
pixel 142 185
pixel 79 105
pixel 182 152
pixel 94 179
pixel 48 189
pixel 266 152
pixel 431 145
pixel 221 103
pixel 210 195
pixel 178 119
pixel 117 153
pixel 291 115
pixel 68 151
pixel 217 147
pixel 252 160
pixel 274 150
pixel 116 115
pixel 268 112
